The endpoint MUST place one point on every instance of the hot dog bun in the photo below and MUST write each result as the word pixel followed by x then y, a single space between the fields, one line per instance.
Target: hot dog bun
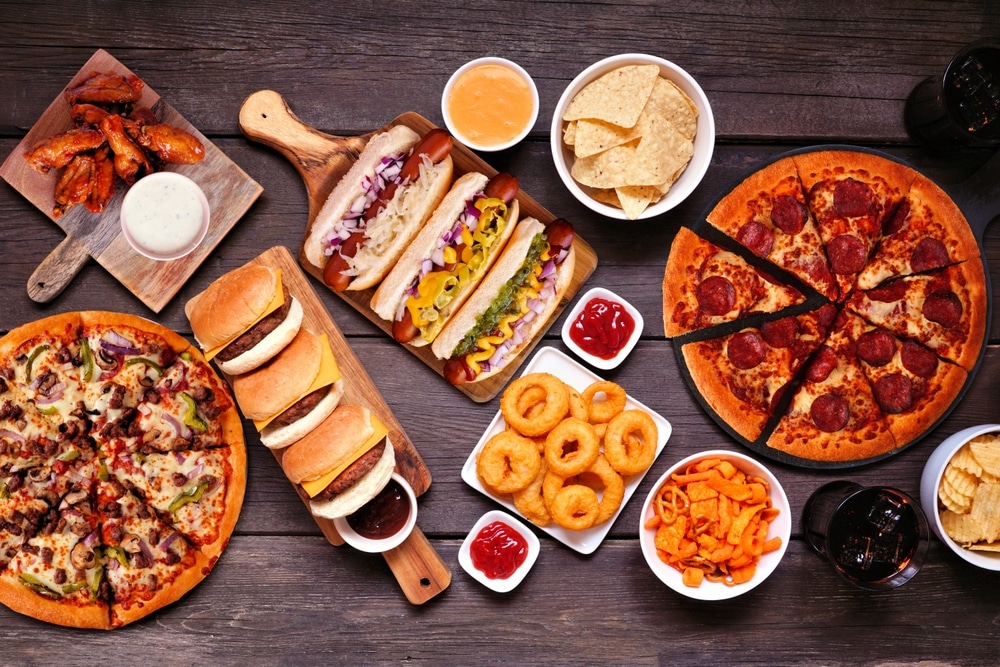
pixel 509 263
pixel 389 298
pixel 388 234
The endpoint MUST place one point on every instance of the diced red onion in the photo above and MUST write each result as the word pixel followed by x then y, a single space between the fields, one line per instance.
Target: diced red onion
pixel 145 551
pixel 91 539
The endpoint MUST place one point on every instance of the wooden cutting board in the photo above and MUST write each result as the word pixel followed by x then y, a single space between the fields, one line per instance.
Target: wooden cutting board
pixel 230 192
pixel 322 159
pixel 418 568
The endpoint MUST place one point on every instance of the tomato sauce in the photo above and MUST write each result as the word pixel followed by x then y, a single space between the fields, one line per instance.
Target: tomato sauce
pixel 498 550
pixel 602 328
pixel 384 515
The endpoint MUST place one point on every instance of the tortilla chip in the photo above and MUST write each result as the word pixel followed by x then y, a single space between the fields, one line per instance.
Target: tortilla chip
pixel 606 169
pixel 617 97
pixel 671 102
pixel 662 151
pixel 569 134
pixel 609 197
pixel 594 136
pixel 634 199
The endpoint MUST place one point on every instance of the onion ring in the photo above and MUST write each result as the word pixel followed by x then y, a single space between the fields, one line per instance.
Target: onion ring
pixel 556 404
pixel 529 501
pixel 531 402
pixel 507 463
pixel 575 507
pixel 630 442
pixel 604 410
pixel 578 407
pixel 608 483
pixel 571 447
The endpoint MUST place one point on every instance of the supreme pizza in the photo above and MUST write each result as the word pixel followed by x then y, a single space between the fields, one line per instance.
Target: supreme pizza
pixel 839 312
pixel 122 468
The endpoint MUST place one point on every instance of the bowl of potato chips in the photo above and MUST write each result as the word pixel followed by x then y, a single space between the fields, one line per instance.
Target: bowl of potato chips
pixel 632 136
pixel 960 494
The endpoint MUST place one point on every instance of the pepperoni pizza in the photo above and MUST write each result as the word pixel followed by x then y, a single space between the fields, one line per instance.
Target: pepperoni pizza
pixel 122 468
pixel 878 312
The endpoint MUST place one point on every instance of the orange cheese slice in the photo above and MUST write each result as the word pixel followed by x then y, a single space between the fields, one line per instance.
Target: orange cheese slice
pixel 277 302
pixel 328 373
pixel 314 487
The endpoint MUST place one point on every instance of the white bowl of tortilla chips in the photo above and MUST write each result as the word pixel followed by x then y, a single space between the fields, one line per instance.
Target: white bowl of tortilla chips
pixel 960 494
pixel 632 136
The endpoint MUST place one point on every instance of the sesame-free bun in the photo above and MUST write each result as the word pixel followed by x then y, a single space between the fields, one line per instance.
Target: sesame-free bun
pixel 366 488
pixel 271 344
pixel 285 378
pixel 231 304
pixel 331 443
pixel 277 437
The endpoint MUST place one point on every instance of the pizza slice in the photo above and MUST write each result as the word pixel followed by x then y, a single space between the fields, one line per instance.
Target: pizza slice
pixel 768 214
pixel 704 285
pixel 149 563
pixel 927 231
pixel 194 491
pixel 742 376
pixel 850 194
pixel 833 415
pixel 911 385
pixel 944 309
pixel 58 574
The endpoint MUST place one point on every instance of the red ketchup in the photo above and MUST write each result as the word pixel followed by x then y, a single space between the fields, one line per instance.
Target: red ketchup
pixel 602 328
pixel 498 550
pixel 384 515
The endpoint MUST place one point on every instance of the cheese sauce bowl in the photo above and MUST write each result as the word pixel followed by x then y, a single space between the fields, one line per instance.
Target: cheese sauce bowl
pixel 490 104
pixel 165 216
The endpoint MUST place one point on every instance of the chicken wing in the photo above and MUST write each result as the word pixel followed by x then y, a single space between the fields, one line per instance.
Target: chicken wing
pixel 129 158
pixel 73 186
pixel 102 181
pixel 171 143
pixel 106 88
pixel 88 114
pixel 58 151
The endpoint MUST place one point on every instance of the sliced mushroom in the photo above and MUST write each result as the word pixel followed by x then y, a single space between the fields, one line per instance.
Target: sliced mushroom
pixel 82 556
pixel 73 497
pixel 130 543
pixel 105 360
pixel 39 473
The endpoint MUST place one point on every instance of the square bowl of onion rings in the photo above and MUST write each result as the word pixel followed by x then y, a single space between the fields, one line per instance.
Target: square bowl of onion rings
pixel 715 525
pixel 556 366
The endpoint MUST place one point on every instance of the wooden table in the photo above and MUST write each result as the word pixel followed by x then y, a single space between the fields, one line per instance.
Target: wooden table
pixel 777 78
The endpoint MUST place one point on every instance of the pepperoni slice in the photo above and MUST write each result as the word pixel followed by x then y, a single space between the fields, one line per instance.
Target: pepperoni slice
pixel 876 347
pixel 827 314
pixel 780 333
pixel 928 254
pixel 893 221
pixel 776 398
pixel 945 308
pixel 830 412
pixel 894 393
pixel 847 254
pixel 746 350
pixel 716 295
pixel 789 214
pixel 918 359
pixel 757 237
pixel 822 364
pixel 852 199
pixel 889 292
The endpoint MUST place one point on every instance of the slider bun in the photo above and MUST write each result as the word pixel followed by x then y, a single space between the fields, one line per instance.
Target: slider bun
pixel 231 304
pixel 276 437
pixel 366 488
pixel 397 139
pixel 272 343
pixel 284 379
pixel 335 440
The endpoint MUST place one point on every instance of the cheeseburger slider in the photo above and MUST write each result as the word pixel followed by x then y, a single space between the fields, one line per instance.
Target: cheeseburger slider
pixel 293 392
pixel 342 463
pixel 244 318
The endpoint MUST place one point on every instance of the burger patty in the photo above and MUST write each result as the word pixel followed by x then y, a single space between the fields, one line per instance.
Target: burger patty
pixel 353 472
pixel 255 334
pixel 302 407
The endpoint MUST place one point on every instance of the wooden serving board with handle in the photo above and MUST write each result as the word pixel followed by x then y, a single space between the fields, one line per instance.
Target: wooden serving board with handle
pixel 322 159
pixel 229 190
pixel 418 568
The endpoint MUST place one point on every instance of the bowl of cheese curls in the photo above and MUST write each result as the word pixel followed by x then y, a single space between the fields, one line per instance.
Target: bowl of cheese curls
pixel 960 494
pixel 715 525
pixel 632 136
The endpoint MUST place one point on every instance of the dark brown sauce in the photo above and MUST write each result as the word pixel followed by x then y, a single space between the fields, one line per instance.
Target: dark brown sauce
pixel 384 515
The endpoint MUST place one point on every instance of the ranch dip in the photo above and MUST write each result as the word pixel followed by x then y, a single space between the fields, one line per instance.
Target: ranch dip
pixel 164 215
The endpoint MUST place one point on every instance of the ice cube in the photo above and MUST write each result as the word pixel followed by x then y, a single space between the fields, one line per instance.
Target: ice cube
pixel 856 552
pixel 886 512
pixel 886 549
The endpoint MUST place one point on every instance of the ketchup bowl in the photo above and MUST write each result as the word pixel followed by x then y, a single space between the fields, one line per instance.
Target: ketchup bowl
pixel 499 545
pixel 386 498
pixel 602 328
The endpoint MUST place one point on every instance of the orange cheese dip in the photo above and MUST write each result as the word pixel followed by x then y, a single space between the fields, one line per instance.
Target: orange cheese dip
pixel 490 105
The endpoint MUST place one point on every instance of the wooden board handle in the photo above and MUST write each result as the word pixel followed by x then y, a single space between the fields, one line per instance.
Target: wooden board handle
pixel 58 269
pixel 418 568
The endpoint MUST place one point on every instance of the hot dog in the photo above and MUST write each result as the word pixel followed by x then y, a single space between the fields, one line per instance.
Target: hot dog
pixel 449 258
pixel 512 303
pixel 379 206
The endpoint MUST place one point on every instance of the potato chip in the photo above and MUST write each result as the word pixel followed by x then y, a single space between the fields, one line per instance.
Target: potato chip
pixel 671 102
pixel 986 511
pixel 953 500
pixel 965 460
pixel 986 450
pixel 963 483
pixel 961 527
pixel 986 546
pixel 606 169
pixel 617 97
pixel 969 492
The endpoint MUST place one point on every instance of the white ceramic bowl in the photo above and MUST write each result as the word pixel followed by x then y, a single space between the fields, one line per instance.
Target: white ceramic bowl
pixel 164 216
pixel 362 543
pixel 780 527
pixel 704 141
pixel 503 62
pixel 931 479
pixel 511 582
pixel 595 361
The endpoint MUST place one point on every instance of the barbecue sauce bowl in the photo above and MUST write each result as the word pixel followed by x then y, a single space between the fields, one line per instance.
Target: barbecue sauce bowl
pixel 381 524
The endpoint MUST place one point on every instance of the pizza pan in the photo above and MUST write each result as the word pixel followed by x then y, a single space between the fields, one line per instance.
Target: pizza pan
pixel 977 199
